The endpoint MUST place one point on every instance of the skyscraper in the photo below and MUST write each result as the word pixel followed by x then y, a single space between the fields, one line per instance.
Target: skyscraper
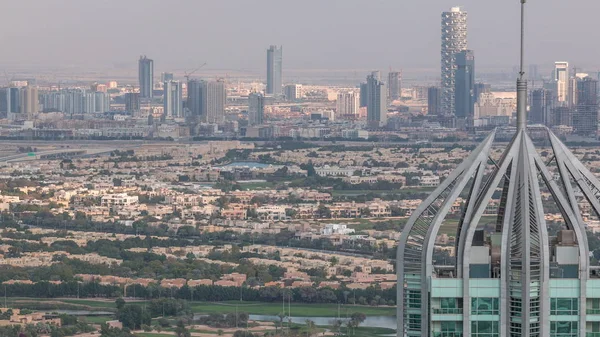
pixel 454 40
pixel 585 116
pixel 172 99
pixel 146 76
pixel 481 88
pixel 293 92
pixel 274 70
pixel 508 276
pixel 256 108
pixel 561 79
pixel 195 99
pixel 347 105
pixel 376 101
pixel 464 85
pixel 214 98
pixel 394 85
pixel 541 107
pixel 12 100
pixel 434 97
pixel 29 101
pixel 363 94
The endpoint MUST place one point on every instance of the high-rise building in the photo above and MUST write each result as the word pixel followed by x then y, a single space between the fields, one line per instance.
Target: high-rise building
pixel 195 99
pixel 376 101
pixel 363 94
pixel 256 109
pixel 132 102
pixel 394 85
pixel 509 276
pixel 214 99
pixel 464 85
pixel 146 76
pixel 166 77
pixel 29 101
pixel 347 105
pixel 172 99
pixel 561 79
pixel 96 102
pixel 585 116
pixel 12 100
pixel 293 92
pixel 541 107
pixel 454 40
pixel 434 98
pixel 274 70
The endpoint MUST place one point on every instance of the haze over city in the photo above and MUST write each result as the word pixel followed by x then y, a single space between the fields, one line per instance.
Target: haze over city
pixel 299 169
pixel 337 34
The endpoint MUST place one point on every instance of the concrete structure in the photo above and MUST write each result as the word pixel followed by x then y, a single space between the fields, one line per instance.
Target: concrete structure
pixel 347 105
pixel 146 76
pixel 515 280
pixel 132 102
pixel 256 109
pixel 29 102
pixel 214 96
pixel 376 101
pixel 454 40
pixel 464 85
pixel 274 70
pixel 172 99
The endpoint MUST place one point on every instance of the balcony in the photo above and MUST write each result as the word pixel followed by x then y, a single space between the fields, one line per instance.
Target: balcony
pixel 447 311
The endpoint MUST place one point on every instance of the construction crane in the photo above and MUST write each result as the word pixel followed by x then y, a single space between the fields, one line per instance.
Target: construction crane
pixel 188 74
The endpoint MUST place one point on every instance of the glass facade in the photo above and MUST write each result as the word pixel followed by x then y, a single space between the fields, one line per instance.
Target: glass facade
pixel 564 306
pixel 485 306
pixel 450 329
pixel 563 329
pixel 485 329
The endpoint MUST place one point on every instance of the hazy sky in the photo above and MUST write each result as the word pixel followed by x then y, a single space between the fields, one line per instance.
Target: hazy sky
pixel 234 34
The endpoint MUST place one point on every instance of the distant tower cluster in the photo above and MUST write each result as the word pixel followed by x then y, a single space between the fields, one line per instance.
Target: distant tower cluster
pixel 146 76
pixel 274 70
pixel 454 40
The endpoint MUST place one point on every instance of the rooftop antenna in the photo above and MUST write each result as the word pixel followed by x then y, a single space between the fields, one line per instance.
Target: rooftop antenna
pixel 522 82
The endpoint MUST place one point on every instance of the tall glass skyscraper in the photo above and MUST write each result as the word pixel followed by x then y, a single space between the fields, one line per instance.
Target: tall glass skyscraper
pixel 274 70
pixel 464 84
pixel 172 99
pixel 454 40
pixel 146 76
pixel 256 108
pixel 510 274
pixel 376 101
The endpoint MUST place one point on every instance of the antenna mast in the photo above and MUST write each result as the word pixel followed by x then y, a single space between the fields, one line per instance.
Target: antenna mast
pixel 522 82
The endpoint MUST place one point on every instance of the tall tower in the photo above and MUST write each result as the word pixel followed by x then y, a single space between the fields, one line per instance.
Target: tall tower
pixel 454 40
pixel 347 105
pixel 376 101
pixel 214 97
pixel 394 85
pixel 274 70
pixel 585 116
pixel 172 99
pixel 195 99
pixel 256 108
pixel 146 76
pixel 509 276
pixel 561 79
pixel 464 84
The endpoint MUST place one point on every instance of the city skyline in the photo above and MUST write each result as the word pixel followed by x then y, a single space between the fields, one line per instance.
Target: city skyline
pixel 547 44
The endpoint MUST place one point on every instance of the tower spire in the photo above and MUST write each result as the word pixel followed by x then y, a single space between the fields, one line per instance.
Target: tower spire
pixel 522 82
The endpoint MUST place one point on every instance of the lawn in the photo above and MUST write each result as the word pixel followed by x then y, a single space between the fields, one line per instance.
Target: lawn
pixel 97 319
pixel 298 310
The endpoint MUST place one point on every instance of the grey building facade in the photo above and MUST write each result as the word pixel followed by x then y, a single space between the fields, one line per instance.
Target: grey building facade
pixel 146 76
pixel 274 70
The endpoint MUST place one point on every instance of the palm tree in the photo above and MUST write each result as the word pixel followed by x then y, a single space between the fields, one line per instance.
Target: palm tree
pixel 310 325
